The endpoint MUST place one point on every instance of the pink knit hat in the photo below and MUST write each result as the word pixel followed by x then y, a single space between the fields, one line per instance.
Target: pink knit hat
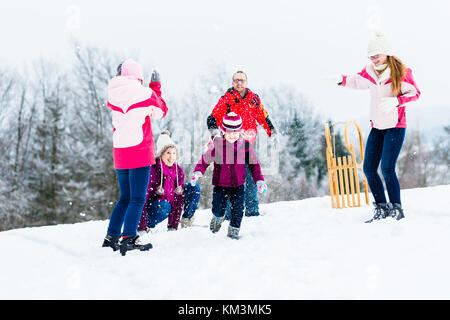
pixel 131 69
pixel 231 122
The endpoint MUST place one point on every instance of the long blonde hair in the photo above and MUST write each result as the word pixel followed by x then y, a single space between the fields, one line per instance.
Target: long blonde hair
pixel 398 71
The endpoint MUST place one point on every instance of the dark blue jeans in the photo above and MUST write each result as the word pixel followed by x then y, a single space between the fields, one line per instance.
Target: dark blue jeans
pixel 127 211
pixel 236 197
pixel 157 211
pixel 251 197
pixel 191 199
pixel 383 145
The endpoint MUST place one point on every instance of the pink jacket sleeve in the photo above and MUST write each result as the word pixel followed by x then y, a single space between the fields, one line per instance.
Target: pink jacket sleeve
pixel 160 107
pixel 410 91
pixel 206 159
pixel 253 165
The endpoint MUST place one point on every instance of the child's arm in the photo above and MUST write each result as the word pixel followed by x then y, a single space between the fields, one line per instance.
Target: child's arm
pixel 255 170
pixel 253 164
pixel 206 159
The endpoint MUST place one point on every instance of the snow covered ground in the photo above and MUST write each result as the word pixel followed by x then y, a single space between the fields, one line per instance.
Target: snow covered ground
pixel 296 250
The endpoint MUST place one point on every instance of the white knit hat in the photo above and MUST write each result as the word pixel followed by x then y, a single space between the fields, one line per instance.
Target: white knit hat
pixel 379 45
pixel 163 143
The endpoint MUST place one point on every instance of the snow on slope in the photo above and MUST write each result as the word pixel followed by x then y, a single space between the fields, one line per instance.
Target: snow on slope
pixel 296 250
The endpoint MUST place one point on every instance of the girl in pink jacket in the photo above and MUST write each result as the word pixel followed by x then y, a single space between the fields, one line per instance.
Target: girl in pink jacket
pixel 132 106
pixel 392 87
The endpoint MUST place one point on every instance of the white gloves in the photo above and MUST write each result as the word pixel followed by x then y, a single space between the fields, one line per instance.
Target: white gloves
pixel 388 104
pixel 197 175
pixel 335 78
pixel 262 186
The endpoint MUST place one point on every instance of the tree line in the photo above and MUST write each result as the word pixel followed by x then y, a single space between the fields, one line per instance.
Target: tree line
pixel 56 163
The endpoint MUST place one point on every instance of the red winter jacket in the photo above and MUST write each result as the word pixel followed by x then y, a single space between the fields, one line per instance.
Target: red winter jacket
pixel 248 107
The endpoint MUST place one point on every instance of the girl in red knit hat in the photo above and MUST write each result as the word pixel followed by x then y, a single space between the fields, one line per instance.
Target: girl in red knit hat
pixel 230 153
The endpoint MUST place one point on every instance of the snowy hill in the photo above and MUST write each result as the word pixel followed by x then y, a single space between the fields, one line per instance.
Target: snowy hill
pixel 296 250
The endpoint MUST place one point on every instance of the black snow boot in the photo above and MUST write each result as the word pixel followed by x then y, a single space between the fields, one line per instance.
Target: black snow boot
pixel 381 211
pixel 396 211
pixel 112 242
pixel 132 243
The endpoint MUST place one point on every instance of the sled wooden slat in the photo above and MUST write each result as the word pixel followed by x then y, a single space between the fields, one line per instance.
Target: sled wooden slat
pixel 336 185
pixel 341 182
pixel 352 182
pixel 346 169
pixel 343 174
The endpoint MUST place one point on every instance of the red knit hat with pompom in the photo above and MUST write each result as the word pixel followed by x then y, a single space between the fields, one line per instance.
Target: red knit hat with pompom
pixel 232 122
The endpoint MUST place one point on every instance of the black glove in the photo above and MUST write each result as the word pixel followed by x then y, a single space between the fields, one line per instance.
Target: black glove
pixel 155 77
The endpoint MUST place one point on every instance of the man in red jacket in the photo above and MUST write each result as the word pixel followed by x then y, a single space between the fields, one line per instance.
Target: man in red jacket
pixel 242 101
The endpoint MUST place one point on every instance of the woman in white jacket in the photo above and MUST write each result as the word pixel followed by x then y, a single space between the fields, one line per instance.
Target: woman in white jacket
pixel 391 86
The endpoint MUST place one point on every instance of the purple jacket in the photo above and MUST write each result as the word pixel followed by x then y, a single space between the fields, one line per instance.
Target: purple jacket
pixel 229 162
pixel 169 184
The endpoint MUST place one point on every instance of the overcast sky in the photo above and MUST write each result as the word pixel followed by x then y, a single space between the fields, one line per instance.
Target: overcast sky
pixel 296 43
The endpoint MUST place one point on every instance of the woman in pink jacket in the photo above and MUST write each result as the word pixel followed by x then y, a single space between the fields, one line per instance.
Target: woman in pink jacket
pixel 392 87
pixel 132 106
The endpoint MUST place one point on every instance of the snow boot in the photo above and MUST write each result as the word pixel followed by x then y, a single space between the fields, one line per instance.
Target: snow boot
pixel 216 223
pixel 233 233
pixel 132 243
pixel 140 233
pixel 187 222
pixel 396 211
pixel 112 242
pixel 381 212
